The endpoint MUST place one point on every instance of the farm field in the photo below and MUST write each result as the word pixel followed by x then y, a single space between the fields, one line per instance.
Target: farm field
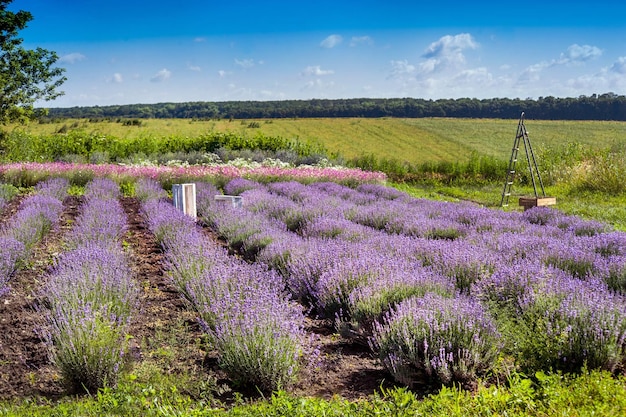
pixel 459 252
pixel 453 250
pixel 413 140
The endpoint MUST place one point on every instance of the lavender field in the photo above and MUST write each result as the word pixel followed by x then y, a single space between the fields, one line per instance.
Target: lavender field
pixel 438 293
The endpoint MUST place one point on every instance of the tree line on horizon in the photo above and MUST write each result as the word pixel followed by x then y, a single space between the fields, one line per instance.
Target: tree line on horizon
pixel 608 106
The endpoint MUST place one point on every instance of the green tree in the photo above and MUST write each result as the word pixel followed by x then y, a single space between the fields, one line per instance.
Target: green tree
pixel 26 76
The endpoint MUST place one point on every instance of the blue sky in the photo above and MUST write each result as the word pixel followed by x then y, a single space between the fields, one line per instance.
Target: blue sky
pixel 126 52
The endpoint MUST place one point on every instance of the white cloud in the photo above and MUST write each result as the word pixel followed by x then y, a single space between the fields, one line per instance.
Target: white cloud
pixel 577 54
pixel 194 68
pixel 316 70
pixel 476 77
pixel 199 39
pixel 117 78
pixel 574 55
pixel 360 40
pixel 269 94
pixel 162 75
pixel 318 84
pixel 401 69
pixel 447 52
pixel 223 73
pixel 532 73
pixel 331 41
pixel 619 66
pixel 72 58
pixel 450 46
pixel 245 63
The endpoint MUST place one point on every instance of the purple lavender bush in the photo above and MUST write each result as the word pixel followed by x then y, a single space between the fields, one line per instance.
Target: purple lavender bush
pixel 610 262
pixel 244 231
pixel 36 217
pixel 612 270
pixel 164 220
pixel 101 220
pixel 11 251
pixel 568 324
pixel 53 187
pixel 91 299
pixel 102 189
pixel 260 339
pixel 463 262
pixel 446 340
pixel 552 320
pixel 236 186
pixel 575 225
pixel 228 279
pixel 369 303
pixel 381 191
pixel 88 346
pixel 307 262
pixel 326 227
pixel 146 188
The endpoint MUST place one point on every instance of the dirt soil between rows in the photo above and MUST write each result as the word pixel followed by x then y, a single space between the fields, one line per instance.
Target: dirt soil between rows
pixel 344 368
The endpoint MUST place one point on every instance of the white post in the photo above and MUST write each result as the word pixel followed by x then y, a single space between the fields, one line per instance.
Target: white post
pixel 185 198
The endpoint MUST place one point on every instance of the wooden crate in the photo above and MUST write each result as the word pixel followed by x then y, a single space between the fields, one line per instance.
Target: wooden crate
pixel 530 202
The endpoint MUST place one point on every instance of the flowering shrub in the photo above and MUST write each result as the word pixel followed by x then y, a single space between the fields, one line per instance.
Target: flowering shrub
pixel 568 324
pixel 448 339
pixel 370 302
pixel 37 213
pixel 36 216
pixel 146 188
pixel 91 295
pixel 260 338
pixel 101 221
pixel 53 187
pixel 257 331
pixel 236 186
pixel 11 251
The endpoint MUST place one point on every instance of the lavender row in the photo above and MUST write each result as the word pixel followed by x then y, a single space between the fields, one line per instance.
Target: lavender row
pixel 583 248
pixel 255 328
pixel 36 216
pixel 364 280
pixel 360 254
pixel 90 295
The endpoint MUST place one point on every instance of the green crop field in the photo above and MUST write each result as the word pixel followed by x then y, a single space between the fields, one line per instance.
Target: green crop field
pixel 411 140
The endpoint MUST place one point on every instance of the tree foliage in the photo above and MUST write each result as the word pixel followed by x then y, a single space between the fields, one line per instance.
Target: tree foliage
pixel 608 106
pixel 26 75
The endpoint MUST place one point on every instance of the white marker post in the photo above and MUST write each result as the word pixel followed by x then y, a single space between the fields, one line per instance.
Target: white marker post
pixel 185 198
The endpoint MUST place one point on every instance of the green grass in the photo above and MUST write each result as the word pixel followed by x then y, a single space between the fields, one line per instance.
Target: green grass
pixel 412 140
pixel 589 394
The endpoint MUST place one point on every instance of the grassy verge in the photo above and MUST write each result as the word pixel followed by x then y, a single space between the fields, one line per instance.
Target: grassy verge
pixel 589 394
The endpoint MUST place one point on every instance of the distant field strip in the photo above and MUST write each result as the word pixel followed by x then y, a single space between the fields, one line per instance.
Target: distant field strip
pixel 411 140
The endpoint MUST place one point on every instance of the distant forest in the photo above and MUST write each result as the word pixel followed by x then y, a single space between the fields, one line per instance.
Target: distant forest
pixel 607 106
